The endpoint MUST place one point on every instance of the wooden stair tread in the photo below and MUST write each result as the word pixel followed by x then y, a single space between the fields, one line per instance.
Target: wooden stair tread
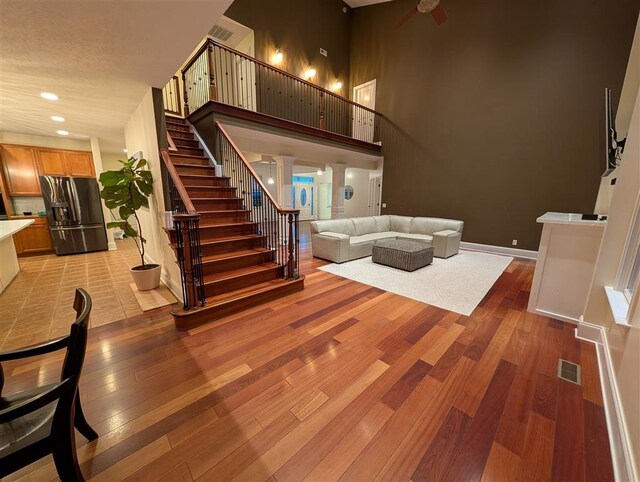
pixel 203 176
pixel 227 239
pixel 248 270
pixel 216 198
pixel 242 292
pixel 225 211
pixel 200 166
pixel 235 254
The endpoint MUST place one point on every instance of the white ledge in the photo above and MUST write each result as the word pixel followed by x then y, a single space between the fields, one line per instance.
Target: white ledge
pixel 619 305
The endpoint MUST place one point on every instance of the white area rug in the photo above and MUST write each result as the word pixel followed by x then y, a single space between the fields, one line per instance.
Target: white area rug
pixel 455 284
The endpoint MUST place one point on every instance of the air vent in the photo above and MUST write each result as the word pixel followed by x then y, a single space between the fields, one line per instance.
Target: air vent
pixel 569 371
pixel 220 33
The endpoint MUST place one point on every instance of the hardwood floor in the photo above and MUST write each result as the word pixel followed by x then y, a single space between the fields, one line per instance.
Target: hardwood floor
pixel 339 382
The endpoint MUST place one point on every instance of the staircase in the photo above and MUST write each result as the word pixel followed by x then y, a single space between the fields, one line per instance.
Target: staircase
pixel 241 257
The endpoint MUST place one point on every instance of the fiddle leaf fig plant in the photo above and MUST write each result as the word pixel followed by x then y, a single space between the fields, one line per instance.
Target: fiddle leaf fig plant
pixel 127 190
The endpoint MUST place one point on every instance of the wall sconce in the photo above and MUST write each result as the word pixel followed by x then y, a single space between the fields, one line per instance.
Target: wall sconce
pixel 277 57
pixel 310 73
pixel 336 86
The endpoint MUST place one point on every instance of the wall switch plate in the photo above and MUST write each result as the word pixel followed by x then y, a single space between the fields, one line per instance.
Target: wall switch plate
pixel 514 242
pixel 323 52
pixel 384 205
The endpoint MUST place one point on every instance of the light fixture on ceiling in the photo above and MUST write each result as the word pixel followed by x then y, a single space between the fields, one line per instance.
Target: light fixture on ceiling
pixel 270 180
pixel 349 175
pixel 319 173
pixel 49 96
pixel 336 86
pixel 310 73
pixel 57 118
pixel 63 133
pixel 125 151
pixel 277 57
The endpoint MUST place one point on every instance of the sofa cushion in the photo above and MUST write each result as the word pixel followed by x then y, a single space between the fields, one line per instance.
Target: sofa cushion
pixel 365 238
pixel 382 224
pixel 416 237
pixel 433 225
pixel 342 226
pixel 401 224
pixel 364 226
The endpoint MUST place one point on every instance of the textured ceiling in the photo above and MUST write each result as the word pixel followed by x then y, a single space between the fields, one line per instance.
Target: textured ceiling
pixel 363 3
pixel 99 57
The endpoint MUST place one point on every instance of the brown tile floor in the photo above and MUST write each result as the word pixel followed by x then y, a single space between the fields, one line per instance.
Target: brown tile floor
pixel 38 304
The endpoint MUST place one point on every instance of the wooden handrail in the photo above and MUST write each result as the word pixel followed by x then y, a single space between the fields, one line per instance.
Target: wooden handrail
pixel 177 182
pixel 275 69
pixel 253 173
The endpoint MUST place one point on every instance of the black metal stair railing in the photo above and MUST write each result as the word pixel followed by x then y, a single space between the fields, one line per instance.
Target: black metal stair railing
pixel 277 228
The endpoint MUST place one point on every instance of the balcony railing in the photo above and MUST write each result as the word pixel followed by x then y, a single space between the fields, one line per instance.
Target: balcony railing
pixel 221 74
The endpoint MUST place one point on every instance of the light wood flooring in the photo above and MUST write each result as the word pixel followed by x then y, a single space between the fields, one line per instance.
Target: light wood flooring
pixel 339 382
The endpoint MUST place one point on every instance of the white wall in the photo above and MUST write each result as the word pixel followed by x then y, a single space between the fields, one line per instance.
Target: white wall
pixel 262 170
pixel 110 161
pixel 358 205
pixel 44 141
pixel 140 135
pixel 623 342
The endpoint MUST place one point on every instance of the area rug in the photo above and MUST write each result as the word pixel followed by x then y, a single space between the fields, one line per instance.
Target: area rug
pixel 455 284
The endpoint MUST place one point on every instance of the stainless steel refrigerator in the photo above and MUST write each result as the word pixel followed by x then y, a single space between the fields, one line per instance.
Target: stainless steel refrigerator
pixel 75 216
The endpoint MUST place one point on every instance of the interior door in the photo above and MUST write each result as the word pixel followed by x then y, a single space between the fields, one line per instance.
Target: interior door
pixel 303 200
pixel 364 120
pixel 375 195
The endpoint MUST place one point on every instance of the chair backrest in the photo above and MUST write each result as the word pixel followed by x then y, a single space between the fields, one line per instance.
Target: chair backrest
pixel 77 347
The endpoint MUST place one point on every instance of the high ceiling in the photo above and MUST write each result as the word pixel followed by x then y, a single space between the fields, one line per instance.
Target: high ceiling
pixel 363 3
pixel 99 57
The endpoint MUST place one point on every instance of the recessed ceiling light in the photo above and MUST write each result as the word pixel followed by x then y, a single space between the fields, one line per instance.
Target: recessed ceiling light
pixel 57 118
pixel 63 133
pixel 125 151
pixel 319 173
pixel 49 96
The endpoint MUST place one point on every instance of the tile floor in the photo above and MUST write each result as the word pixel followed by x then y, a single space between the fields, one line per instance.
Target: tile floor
pixel 38 304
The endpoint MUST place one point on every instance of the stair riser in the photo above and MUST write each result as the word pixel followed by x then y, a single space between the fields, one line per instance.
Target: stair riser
pixel 198 171
pixel 185 320
pixel 178 159
pixel 207 181
pixel 177 127
pixel 213 218
pixel 230 246
pixel 213 233
pixel 214 193
pixel 181 135
pixel 185 143
pixel 239 282
pixel 214 267
pixel 218 205
pixel 189 151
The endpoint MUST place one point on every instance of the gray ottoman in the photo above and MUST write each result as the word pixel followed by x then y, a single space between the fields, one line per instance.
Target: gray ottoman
pixel 402 254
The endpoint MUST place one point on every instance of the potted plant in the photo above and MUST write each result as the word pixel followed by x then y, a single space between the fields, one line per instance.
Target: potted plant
pixel 127 190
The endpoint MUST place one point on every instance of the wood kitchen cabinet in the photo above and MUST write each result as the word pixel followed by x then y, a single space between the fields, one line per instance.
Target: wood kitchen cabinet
pixel 34 239
pixel 55 162
pixel 20 170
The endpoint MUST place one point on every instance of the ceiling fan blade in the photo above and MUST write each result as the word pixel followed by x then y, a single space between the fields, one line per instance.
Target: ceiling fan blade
pixel 439 15
pixel 406 18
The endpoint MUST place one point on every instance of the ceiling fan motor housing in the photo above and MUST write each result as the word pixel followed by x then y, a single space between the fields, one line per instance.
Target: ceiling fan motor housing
pixel 426 6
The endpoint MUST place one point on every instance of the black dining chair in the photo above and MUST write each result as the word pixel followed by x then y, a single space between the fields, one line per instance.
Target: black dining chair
pixel 40 421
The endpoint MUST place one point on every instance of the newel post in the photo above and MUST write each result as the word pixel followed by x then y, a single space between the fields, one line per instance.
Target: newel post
pixel 213 88
pixel 191 299
pixel 184 95
pixel 322 109
pixel 291 262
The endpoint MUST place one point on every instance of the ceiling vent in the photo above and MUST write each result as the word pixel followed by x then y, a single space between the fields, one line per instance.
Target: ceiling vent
pixel 220 33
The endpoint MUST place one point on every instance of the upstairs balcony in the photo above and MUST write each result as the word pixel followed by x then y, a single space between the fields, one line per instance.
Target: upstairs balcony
pixel 218 79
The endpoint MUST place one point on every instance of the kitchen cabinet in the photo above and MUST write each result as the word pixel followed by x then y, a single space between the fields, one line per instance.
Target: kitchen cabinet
pixel 52 162
pixel 79 164
pixel 20 170
pixel 34 239
pixel 55 162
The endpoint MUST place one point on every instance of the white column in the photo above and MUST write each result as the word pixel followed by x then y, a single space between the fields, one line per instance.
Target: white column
pixel 285 180
pixel 97 164
pixel 337 190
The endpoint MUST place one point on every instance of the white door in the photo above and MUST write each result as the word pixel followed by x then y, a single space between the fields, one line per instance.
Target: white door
pixel 375 195
pixel 364 120
pixel 303 200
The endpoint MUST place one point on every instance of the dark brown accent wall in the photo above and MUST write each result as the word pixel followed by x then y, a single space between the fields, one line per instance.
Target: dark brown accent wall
pixel 498 113
pixel 300 28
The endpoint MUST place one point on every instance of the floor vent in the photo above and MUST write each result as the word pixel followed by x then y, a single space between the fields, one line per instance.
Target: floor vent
pixel 570 372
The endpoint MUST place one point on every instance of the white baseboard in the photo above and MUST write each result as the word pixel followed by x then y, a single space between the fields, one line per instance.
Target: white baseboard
pixel 173 286
pixel 488 248
pixel 556 316
pixel 112 246
pixel 621 455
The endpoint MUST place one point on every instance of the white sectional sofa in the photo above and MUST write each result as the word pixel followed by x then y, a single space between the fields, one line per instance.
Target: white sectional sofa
pixel 341 240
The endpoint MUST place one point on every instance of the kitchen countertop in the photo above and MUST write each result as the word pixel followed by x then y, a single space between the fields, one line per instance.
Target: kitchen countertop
pixel 10 227
pixel 569 219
